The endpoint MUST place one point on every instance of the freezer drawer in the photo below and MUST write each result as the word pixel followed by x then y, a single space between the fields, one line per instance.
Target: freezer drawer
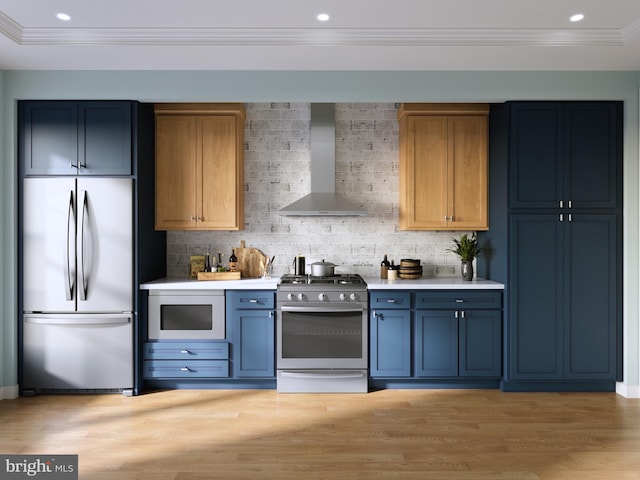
pixel 77 352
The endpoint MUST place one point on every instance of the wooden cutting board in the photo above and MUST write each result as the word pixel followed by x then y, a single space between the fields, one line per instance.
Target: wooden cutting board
pixel 250 261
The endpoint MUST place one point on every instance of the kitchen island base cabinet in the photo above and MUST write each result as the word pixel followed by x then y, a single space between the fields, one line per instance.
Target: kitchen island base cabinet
pixel 251 328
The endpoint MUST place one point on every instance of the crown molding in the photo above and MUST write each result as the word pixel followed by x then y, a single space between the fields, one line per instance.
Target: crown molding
pixel 316 36
pixel 309 37
pixel 10 28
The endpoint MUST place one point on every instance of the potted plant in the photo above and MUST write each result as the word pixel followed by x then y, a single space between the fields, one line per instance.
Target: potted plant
pixel 467 249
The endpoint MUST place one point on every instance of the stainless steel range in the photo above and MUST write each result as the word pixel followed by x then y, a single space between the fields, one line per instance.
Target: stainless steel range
pixel 322 334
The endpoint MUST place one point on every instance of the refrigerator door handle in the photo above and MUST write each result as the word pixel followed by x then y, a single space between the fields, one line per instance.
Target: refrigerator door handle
pixel 74 319
pixel 69 274
pixel 83 215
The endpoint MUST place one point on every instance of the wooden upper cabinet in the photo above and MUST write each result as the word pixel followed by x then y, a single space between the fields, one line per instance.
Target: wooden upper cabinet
pixel 443 166
pixel 199 166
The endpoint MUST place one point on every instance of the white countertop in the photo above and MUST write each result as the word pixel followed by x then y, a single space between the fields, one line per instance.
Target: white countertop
pixel 433 283
pixel 426 283
pixel 188 284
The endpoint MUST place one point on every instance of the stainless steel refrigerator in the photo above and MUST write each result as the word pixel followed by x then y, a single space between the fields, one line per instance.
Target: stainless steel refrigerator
pixel 78 284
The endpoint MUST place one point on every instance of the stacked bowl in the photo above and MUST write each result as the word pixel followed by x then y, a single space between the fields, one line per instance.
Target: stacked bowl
pixel 410 269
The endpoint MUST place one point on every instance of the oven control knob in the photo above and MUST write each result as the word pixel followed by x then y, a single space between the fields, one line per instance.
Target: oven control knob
pixel 343 296
pixel 290 296
pixel 322 296
pixel 353 296
pixel 301 296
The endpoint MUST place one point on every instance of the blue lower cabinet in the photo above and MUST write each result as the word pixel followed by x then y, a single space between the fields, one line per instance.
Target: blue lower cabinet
pixel 171 369
pixel 480 340
pixel 179 360
pixel 444 336
pixel 390 343
pixel 251 328
pixel 436 343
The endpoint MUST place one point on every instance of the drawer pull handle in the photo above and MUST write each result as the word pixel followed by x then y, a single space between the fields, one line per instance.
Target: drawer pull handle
pixel 253 300
pixel 186 352
pixel 185 369
pixel 459 300
pixel 391 300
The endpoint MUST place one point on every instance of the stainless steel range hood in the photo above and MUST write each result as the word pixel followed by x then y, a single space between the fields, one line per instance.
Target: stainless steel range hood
pixel 323 200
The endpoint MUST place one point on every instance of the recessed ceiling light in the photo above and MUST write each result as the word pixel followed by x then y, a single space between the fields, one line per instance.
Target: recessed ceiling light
pixel 323 17
pixel 577 17
pixel 63 16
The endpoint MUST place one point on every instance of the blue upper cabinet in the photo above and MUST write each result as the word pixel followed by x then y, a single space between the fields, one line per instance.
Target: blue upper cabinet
pixel 76 138
pixel 565 155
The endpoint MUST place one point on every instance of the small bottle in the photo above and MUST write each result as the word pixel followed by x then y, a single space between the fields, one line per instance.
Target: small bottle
pixel 233 261
pixel 384 267
pixel 392 272
pixel 207 263
pixel 220 264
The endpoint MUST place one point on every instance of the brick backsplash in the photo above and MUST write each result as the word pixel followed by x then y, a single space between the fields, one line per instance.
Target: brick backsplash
pixel 277 172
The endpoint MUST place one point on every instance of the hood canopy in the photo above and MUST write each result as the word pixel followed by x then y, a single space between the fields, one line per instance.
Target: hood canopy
pixel 323 200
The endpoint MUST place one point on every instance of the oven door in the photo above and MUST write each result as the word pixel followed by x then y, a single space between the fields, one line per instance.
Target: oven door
pixel 322 337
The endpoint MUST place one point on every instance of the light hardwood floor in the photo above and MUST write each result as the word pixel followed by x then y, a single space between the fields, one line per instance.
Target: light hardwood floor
pixel 390 434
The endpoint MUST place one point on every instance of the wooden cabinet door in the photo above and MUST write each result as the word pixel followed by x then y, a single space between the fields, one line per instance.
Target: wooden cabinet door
pixel 443 167
pixel 176 172
pixel 219 178
pixel 425 205
pixel 467 195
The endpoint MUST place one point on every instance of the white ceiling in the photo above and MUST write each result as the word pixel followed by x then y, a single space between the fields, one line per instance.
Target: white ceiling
pixel 285 35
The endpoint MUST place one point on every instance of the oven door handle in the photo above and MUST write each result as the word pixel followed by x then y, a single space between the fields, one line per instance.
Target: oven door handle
pixel 308 309
pixel 324 376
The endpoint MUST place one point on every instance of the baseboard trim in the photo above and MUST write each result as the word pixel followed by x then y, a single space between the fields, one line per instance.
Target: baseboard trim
pixel 628 391
pixel 9 393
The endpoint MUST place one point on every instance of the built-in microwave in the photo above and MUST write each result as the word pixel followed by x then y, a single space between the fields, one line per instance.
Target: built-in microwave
pixel 186 315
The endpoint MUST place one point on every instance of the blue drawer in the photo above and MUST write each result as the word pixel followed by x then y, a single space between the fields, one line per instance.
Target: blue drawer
pixel 458 300
pixel 389 299
pixel 186 351
pixel 250 299
pixel 186 369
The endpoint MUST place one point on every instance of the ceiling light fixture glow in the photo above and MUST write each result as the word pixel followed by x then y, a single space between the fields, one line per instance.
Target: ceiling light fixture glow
pixel 323 17
pixel 63 16
pixel 577 17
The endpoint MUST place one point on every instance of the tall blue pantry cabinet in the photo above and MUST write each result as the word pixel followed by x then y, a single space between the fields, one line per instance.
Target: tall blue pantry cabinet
pixel 555 241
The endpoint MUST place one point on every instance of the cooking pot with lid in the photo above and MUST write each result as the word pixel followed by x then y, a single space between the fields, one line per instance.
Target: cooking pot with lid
pixel 322 269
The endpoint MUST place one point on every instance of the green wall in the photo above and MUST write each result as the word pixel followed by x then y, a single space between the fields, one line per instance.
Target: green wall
pixel 338 86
